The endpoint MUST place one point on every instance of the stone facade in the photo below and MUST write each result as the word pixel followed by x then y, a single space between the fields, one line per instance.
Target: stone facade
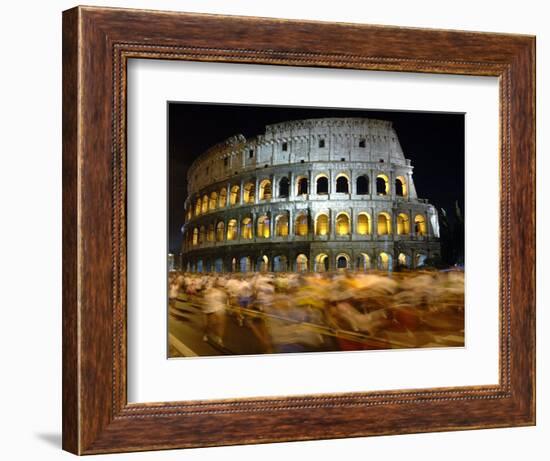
pixel 317 194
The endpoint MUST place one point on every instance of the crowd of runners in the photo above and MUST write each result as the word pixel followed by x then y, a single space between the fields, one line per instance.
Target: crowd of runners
pixel 289 312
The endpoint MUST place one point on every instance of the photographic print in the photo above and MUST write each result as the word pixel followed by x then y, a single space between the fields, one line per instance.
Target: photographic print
pixel 297 229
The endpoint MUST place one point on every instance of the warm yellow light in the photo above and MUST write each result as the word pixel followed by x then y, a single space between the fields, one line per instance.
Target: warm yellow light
pixel 384 224
pixel 282 226
pixel 403 226
pixel 321 226
pixel 342 224
pixel 363 225
pixel 301 225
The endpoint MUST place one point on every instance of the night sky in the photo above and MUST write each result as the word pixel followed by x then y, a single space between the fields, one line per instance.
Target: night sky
pixel 434 142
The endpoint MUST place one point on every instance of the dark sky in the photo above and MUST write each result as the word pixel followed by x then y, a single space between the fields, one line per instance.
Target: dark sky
pixel 434 142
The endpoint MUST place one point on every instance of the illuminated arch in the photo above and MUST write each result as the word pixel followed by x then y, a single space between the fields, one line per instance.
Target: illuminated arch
pixel 363 262
pixel 420 226
pixel 249 190
pixel 220 231
pixel 382 184
pixel 263 230
pixel 198 207
pixel 301 263
pixel 400 186
pixel 403 224
pixel 342 184
pixel 342 224
pixel 265 190
pixel 363 224
pixel 301 225
pixel 234 198
pixel 384 223
pixel 419 259
pixel 204 206
pixel 384 261
pixel 281 225
pixel 403 260
pixel 213 201
pixel 263 263
pixel 322 226
pixel 321 262
pixel 246 228
pixel 232 229
pixel 196 236
pixel 222 198
pixel 321 184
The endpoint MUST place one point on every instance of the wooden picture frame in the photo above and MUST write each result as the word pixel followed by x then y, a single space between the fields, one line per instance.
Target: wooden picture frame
pixel 97 43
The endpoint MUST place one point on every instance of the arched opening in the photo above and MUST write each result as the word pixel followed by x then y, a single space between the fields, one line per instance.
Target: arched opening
pixel 342 262
pixel 400 187
pixel 342 185
pixel 301 263
pixel 403 260
pixel 198 207
pixel 281 225
pixel 200 266
pixel 419 260
pixel 232 229
pixel 263 230
pixel 301 186
pixel 362 184
pixel 322 185
pixel 265 190
pixel 321 262
pixel 280 263
pixel 403 225
pixel 211 233
pixel 213 201
pixel 246 228
pixel 220 229
pixel 384 261
pixel 363 224
pixel 218 265
pixel 322 225
pixel 222 199
pixel 245 264
pixel 248 193
pixel 263 264
pixel 342 224
pixel 234 265
pixel 384 224
pixel 234 198
pixel 208 266
pixel 301 228
pixel 382 185
pixel 363 262
pixel 283 187
pixel 195 236
pixel 204 207
pixel 420 227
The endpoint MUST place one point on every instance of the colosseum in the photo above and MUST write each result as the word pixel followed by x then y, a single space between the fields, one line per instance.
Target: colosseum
pixel 307 195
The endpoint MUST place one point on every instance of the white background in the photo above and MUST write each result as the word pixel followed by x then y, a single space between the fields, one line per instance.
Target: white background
pixel 152 378
pixel 30 191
